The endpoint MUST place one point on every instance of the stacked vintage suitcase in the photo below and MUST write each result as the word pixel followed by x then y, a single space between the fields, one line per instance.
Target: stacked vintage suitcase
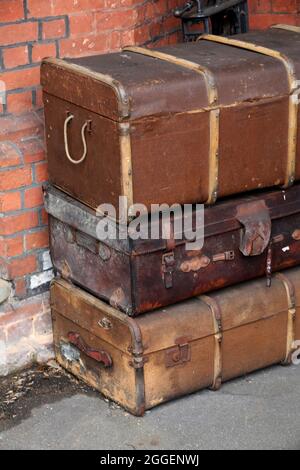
pixel 191 123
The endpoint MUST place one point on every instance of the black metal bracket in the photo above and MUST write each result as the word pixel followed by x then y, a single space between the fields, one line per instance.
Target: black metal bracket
pixel 221 17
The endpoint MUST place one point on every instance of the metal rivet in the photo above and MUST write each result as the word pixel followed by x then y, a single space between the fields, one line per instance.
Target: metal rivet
pixel 105 323
pixel 296 235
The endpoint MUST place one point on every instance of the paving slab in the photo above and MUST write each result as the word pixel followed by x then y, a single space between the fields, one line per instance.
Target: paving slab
pixel 261 411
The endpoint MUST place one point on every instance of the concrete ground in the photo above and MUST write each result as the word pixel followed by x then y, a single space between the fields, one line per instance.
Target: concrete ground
pixel 261 411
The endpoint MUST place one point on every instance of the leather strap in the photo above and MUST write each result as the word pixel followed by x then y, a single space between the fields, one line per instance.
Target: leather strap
pixel 212 93
pixel 218 335
pixel 294 94
pixel 291 334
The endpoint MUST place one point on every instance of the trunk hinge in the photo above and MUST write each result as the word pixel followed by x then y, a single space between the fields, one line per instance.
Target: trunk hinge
pixel 168 267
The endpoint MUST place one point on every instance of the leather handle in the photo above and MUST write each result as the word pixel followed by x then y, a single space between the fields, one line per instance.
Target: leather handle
pixel 100 356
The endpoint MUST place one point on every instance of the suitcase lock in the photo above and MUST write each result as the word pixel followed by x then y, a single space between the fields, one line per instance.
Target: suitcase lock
pixel 179 354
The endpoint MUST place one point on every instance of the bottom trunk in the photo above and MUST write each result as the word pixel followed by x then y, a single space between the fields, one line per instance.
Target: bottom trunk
pixel 143 362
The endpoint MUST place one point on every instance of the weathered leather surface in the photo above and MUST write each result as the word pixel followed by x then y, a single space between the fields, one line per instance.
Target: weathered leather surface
pixel 171 353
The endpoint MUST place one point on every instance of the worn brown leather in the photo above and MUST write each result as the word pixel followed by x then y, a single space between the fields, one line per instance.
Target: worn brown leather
pixel 245 238
pixel 172 352
pixel 167 108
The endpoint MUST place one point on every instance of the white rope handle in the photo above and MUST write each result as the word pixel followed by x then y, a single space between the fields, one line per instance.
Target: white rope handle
pixel 83 129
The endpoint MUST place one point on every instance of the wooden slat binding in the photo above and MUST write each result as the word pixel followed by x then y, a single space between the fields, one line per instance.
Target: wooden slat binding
pixel 291 334
pixel 218 334
pixel 287 27
pixel 213 99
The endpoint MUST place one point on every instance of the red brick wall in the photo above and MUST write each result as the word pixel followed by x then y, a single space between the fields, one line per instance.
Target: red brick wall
pixel 265 13
pixel 30 30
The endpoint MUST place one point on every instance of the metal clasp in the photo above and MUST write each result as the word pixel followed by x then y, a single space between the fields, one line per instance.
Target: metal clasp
pixel 179 354
pixel 168 267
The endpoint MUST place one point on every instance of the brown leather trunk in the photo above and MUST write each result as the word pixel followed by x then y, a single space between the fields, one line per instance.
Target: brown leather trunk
pixel 200 343
pixel 183 124
pixel 245 238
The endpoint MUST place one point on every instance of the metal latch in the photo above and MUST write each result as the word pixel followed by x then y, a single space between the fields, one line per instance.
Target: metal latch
pixel 179 354
pixel 168 267
pixel 256 220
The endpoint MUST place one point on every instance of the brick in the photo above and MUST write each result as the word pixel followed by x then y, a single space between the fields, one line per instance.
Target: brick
pixel 44 217
pixel 39 8
pixel 15 128
pixel 20 287
pixel 115 20
pixel 126 3
pixel 127 38
pixel 18 330
pixel 43 324
pixel 20 32
pixel 37 240
pixel 110 4
pixel 41 172
pixel 66 7
pixel 24 310
pixel 33 150
pixel 41 279
pixel 81 24
pixel 40 51
pixel 15 56
pixel 115 40
pixel 9 155
pixel 141 35
pixel 155 30
pixel 54 29
pixel 16 178
pixel 84 46
pixel 10 202
pixel 39 98
pixel 11 10
pixel 47 261
pixel 18 103
pixel 263 21
pixel 261 6
pixel 172 4
pixel 33 197
pixel 24 78
pixel 284 6
pixel 21 266
pixel 16 223
pixel 10 247
pixel 170 23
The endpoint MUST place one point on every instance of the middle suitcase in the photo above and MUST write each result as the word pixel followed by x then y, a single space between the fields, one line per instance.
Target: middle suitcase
pixel 245 238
